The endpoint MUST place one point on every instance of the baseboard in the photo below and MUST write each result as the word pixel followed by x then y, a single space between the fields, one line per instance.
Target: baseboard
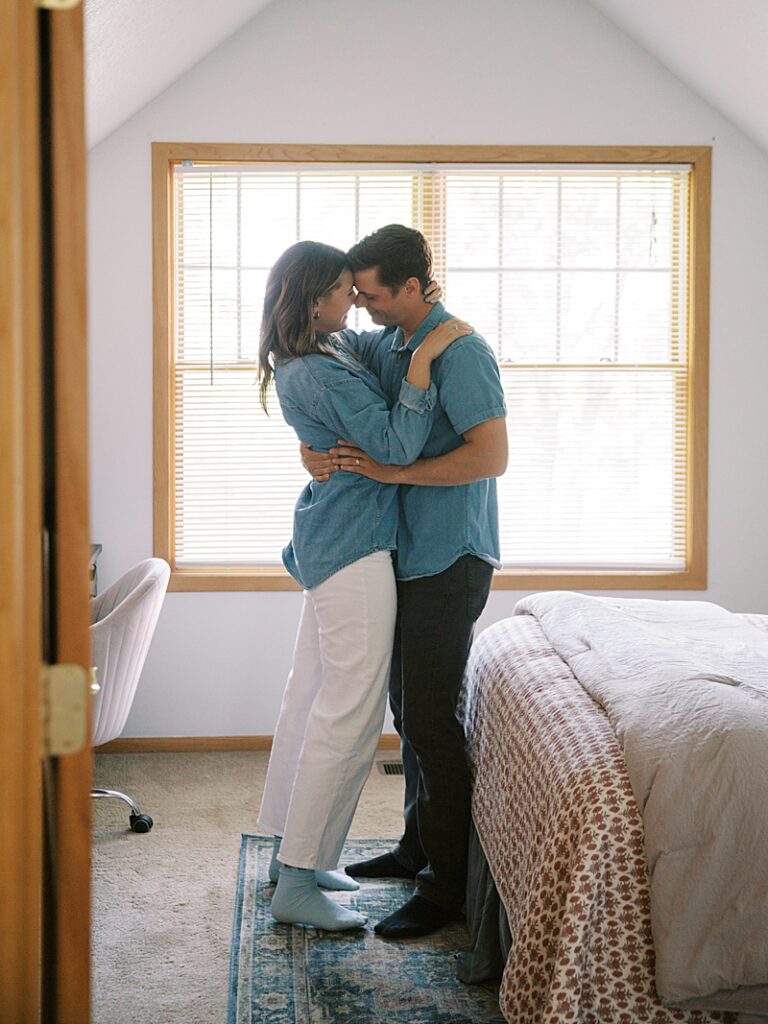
pixel 191 744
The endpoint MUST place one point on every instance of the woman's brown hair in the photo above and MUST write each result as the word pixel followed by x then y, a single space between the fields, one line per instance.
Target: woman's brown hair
pixel 301 275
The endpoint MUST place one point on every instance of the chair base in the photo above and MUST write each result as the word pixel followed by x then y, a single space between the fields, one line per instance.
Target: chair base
pixel 139 822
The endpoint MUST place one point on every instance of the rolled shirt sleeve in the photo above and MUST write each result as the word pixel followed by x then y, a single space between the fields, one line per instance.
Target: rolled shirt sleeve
pixel 417 399
pixel 469 384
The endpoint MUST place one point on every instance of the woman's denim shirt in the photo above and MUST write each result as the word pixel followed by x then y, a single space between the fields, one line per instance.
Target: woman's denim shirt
pixel 327 397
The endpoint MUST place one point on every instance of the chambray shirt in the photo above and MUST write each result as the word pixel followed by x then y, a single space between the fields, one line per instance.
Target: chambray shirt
pixel 325 397
pixel 440 524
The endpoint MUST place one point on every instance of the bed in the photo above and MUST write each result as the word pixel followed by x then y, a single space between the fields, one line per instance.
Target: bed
pixel 559 899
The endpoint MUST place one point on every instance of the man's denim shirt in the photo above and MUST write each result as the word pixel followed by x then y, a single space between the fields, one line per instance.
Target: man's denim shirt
pixel 324 398
pixel 440 524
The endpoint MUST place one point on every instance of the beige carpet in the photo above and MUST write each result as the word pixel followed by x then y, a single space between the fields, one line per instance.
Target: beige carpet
pixel 162 902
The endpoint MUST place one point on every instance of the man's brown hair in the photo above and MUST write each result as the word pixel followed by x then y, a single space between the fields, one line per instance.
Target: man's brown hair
pixel 397 252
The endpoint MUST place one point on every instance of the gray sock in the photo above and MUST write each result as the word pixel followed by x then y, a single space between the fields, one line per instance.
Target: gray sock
pixel 297 900
pixel 338 881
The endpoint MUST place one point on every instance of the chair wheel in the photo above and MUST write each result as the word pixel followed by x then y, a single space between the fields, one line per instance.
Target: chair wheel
pixel 141 822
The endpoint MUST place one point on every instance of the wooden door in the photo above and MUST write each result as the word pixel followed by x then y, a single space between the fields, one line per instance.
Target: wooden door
pixel 44 613
pixel 20 521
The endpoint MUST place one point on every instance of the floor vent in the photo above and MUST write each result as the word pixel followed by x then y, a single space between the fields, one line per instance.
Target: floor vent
pixel 391 767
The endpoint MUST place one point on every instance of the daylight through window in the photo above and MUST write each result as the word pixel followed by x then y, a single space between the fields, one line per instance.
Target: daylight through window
pixel 578 276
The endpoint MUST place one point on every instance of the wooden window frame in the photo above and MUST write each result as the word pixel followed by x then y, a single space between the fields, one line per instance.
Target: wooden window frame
pixel 166 154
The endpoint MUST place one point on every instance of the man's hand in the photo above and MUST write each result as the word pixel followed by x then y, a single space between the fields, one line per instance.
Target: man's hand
pixel 433 292
pixel 354 460
pixel 319 465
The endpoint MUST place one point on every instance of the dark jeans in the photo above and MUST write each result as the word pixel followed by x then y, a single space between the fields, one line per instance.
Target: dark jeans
pixel 435 623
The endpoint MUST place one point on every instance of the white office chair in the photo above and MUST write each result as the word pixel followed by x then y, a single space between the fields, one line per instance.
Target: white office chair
pixel 124 619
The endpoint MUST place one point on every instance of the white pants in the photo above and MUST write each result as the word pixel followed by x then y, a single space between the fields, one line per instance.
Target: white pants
pixel 332 712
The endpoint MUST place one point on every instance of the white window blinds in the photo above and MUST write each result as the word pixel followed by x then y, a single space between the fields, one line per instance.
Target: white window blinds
pixel 577 276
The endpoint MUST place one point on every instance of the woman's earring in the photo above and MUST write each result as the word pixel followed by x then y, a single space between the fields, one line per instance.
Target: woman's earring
pixel 315 316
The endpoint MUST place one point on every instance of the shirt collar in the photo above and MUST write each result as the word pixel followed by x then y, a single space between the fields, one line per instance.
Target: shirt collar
pixel 432 319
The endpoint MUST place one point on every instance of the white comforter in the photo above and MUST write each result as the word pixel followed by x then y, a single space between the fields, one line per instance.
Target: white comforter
pixel 685 686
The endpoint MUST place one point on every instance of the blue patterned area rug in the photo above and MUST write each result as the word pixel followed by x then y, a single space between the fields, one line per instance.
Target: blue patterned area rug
pixel 282 974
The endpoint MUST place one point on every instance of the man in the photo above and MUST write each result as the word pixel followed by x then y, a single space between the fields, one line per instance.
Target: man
pixel 447 550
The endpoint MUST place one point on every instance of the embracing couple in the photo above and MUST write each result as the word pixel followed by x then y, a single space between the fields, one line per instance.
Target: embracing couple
pixel 394 541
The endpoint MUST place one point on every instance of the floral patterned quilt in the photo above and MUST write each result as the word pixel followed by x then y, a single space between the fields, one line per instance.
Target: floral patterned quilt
pixel 563 836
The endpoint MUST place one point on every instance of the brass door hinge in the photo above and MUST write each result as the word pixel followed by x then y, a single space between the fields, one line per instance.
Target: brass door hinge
pixel 65 709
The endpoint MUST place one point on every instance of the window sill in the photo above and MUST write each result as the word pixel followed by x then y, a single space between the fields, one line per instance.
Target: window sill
pixel 231 579
pixel 191 580
pixel 553 580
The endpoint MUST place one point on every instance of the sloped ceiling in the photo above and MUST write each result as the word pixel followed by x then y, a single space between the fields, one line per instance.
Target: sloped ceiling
pixel 717 47
pixel 135 49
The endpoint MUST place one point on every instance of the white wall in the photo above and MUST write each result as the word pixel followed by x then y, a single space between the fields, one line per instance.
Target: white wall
pixel 440 71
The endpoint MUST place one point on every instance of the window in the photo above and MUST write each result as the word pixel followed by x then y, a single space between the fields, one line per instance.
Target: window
pixel 585 269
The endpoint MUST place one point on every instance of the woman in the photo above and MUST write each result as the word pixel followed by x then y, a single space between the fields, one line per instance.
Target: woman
pixel 343 533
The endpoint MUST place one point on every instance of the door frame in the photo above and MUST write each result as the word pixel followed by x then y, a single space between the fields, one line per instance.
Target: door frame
pixel 42 322
pixel 71 549
pixel 21 505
